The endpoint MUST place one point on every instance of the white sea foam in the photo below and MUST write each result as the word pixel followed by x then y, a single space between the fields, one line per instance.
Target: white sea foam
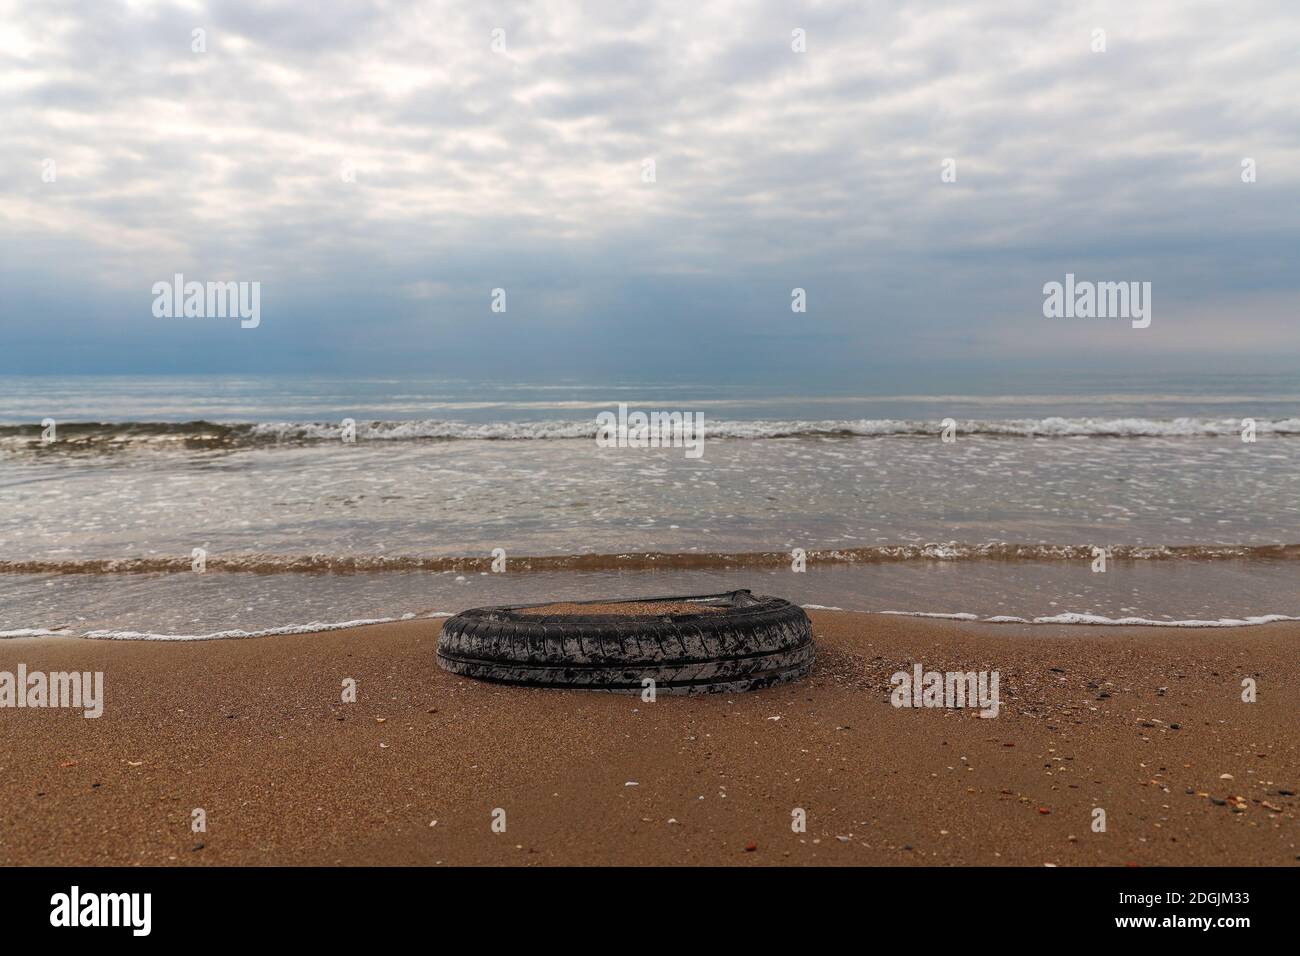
pixel 1070 617
pixel 1052 427
pixel 309 628
pixel 84 435
pixel 1074 617
pixel 426 429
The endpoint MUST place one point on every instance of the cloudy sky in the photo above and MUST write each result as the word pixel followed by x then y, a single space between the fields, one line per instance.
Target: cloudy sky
pixel 523 168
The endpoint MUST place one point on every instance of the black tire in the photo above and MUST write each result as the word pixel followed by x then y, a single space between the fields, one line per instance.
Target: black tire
pixel 755 641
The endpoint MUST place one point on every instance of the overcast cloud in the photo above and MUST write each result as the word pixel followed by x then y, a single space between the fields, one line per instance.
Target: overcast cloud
pixel 522 169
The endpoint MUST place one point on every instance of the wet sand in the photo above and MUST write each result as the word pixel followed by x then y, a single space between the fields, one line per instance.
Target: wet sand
pixel 1141 722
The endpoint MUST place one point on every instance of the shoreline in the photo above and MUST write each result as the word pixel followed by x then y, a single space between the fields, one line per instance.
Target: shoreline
pixel 1141 722
pixel 1070 619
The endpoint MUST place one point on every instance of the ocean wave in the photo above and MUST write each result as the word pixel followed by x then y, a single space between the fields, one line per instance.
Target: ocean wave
pixel 317 627
pixel 204 434
pixel 1074 617
pixel 264 563
pixel 313 627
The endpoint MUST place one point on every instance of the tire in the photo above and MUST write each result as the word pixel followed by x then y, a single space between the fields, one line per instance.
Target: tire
pixel 754 641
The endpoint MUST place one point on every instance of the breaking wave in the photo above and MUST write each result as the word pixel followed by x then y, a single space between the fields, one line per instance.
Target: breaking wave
pixel 314 627
pixel 204 434
pixel 263 563
pixel 317 627
pixel 1098 620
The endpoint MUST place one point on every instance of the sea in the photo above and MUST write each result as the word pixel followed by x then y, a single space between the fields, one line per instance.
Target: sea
pixel 203 507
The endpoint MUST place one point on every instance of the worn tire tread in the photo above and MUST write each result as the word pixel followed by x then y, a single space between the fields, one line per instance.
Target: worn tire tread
pixel 755 641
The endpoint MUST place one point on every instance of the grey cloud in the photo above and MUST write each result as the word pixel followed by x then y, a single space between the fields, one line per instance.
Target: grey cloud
pixel 774 169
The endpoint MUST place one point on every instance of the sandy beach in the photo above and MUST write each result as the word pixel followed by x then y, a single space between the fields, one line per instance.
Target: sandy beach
pixel 1145 723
